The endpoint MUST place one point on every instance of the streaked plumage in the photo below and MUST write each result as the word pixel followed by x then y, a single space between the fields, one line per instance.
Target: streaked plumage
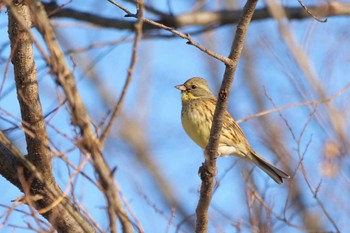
pixel 198 106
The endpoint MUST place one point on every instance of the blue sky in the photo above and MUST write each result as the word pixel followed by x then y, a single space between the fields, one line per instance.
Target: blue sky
pixel 164 63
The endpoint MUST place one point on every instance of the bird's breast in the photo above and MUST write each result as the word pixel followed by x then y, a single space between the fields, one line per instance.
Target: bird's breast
pixel 196 123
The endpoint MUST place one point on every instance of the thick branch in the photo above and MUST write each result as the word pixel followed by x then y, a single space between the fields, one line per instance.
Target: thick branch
pixel 63 215
pixel 208 170
pixel 8 162
pixel 37 178
pixel 27 90
pixel 203 18
pixel 89 142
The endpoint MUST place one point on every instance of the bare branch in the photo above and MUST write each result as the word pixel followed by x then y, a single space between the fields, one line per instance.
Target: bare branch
pixel 89 142
pixel 200 18
pixel 208 169
pixel 39 152
pixel 118 107
pixel 308 11
pixel 303 170
pixel 188 37
pixel 72 220
pixel 61 213
pixel 278 109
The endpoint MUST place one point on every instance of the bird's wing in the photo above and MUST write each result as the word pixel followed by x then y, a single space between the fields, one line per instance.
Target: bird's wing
pixel 232 134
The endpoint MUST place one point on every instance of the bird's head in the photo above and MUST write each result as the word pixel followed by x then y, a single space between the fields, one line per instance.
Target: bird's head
pixel 195 88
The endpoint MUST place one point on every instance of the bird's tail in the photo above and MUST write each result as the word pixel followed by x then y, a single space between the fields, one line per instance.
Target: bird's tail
pixel 275 173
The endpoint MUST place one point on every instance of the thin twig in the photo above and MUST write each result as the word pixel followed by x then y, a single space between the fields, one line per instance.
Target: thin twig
pixel 309 13
pixel 118 107
pixel 188 37
pixel 89 143
pixel 314 192
pixel 190 41
pixel 170 220
pixel 278 109
pixel 8 153
pixel 270 210
pixel 208 170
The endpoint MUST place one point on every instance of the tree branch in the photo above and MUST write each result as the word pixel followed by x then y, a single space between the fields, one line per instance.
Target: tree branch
pixel 38 148
pixel 38 162
pixel 188 37
pixel 63 216
pixel 208 170
pixel 89 142
pixel 202 18
pixel 118 107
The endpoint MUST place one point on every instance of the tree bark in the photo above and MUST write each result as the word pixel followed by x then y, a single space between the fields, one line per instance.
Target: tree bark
pixel 36 178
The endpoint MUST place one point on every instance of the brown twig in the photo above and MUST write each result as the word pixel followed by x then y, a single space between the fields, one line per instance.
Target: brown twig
pixel 11 158
pixel 188 37
pixel 301 163
pixel 80 118
pixel 118 107
pixel 208 170
pixel 301 159
pixel 198 18
pixel 27 89
pixel 273 139
pixel 134 133
pixel 309 13
pixel 270 210
pixel 170 220
pixel 149 8
pixel 137 223
pixel 278 109
pixel 190 41
pixel 38 161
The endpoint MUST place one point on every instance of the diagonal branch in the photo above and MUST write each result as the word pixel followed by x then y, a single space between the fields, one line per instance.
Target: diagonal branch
pixel 89 142
pixel 37 176
pixel 38 148
pixel 118 107
pixel 64 216
pixel 208 170
pixel 188 37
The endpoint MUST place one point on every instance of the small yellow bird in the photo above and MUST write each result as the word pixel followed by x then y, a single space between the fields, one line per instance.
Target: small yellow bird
pixel 198 106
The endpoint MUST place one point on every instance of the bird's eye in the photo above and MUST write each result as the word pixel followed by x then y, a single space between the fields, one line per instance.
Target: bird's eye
pixel 194 86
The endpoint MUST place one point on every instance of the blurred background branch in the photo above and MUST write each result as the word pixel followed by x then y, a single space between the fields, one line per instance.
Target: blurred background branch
pixel 290 96
pixel 196 18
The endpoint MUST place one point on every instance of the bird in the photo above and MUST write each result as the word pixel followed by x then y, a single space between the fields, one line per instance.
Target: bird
pixel 198 106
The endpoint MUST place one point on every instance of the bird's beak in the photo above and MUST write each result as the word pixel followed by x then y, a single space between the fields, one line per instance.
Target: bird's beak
pixel 181 87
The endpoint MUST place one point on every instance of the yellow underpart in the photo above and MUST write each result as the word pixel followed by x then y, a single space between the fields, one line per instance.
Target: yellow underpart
pixel 186 96
pixel 195 123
